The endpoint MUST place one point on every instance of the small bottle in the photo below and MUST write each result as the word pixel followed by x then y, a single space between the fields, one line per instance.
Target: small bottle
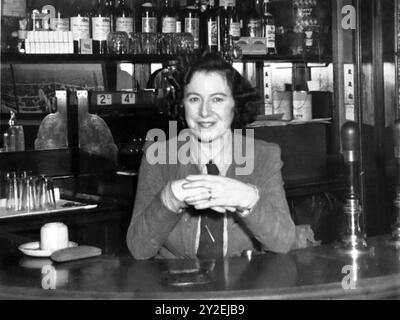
pixel 269 28
pixel 192 24
pixel 211 20
pixel 13 43
pixel 110 9
pixel 254 22
pixel 22 34
pixel 6 142
pixel 178 16
pixel 310 37
pixel 149 18
pixel 14 139
pixel 234 22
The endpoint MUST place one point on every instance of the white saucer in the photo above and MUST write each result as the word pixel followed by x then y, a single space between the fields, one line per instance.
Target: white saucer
pixel 32 249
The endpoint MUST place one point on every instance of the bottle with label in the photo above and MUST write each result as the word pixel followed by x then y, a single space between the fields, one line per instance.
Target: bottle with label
pixel 22 34
pixel 110 9
pixel 311 36
pixel 254 21
pixel 224 27
pixel 211 26
pixel 178 16
pixel 80 27
pixel 233 19
pixel 101 26
pixel 269 28
pixel 168 17
pixel 192 23
pixel 124 18
pixel 60 22
pixel 149 18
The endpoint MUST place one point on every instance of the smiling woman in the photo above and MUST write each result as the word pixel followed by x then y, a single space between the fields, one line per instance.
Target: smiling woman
pixel 209 105
pixel 207 208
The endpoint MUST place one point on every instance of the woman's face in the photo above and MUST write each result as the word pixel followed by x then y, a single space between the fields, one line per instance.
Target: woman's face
pixel 209 105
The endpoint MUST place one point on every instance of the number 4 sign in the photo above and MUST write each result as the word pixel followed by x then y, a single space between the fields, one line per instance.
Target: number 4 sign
pixel 128 98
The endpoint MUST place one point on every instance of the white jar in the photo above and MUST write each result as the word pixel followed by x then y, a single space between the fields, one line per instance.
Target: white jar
pixel 302 109
pixel 283 104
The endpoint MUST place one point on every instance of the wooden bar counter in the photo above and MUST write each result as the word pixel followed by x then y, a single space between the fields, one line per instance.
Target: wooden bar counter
pixel 311 273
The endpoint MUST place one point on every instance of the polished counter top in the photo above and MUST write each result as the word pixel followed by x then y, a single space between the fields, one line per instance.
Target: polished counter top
pixel 311 273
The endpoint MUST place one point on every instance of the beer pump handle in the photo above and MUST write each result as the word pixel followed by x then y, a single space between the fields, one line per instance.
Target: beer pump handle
pixel 350 141
pixel 396 139
pixel 353 241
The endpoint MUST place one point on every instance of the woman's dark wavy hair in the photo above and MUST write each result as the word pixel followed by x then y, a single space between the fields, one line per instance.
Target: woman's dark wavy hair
pixel 247 100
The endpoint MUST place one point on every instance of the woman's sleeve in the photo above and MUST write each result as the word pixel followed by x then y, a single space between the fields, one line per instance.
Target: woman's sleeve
pixel 151 221
pixel 270 221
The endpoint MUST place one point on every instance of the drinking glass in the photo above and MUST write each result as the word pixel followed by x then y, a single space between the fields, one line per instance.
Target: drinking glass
pixel 118 42
pixel 45 193
pixel 167 43
pixel 21 186
pixel 184 42
pixel 12 191
pixel 25 195
pixel 149 42
pixel 134 43
pixel 51 204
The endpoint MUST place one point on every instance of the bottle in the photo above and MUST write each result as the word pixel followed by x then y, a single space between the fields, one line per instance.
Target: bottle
pixel 229 24
pixel 60 22
pixel 269 28
pixel 12 46
pixel 149 18
pixel 233 20
pixel 124 18
pixel 80 26
pixel 110 10
pixel 224 27
pixel 167 17
pixel 178 16
pixel 254 22
pixel 101 26
pixel 192 24
pixel 21 42
pixel 13 138
pixel 311 35
pixel 212 27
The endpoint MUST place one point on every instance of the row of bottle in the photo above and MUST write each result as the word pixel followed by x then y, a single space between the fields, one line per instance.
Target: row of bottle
pixel 211 22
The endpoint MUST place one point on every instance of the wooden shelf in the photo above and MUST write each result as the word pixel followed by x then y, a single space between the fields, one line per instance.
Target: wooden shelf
pixel 11 58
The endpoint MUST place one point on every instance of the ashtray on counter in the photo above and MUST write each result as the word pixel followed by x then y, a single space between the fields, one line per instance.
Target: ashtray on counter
pixel 189 277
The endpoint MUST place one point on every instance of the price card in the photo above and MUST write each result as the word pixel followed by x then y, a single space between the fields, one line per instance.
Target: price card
pixel 128 98
pixel 104 99
pixel 350 112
